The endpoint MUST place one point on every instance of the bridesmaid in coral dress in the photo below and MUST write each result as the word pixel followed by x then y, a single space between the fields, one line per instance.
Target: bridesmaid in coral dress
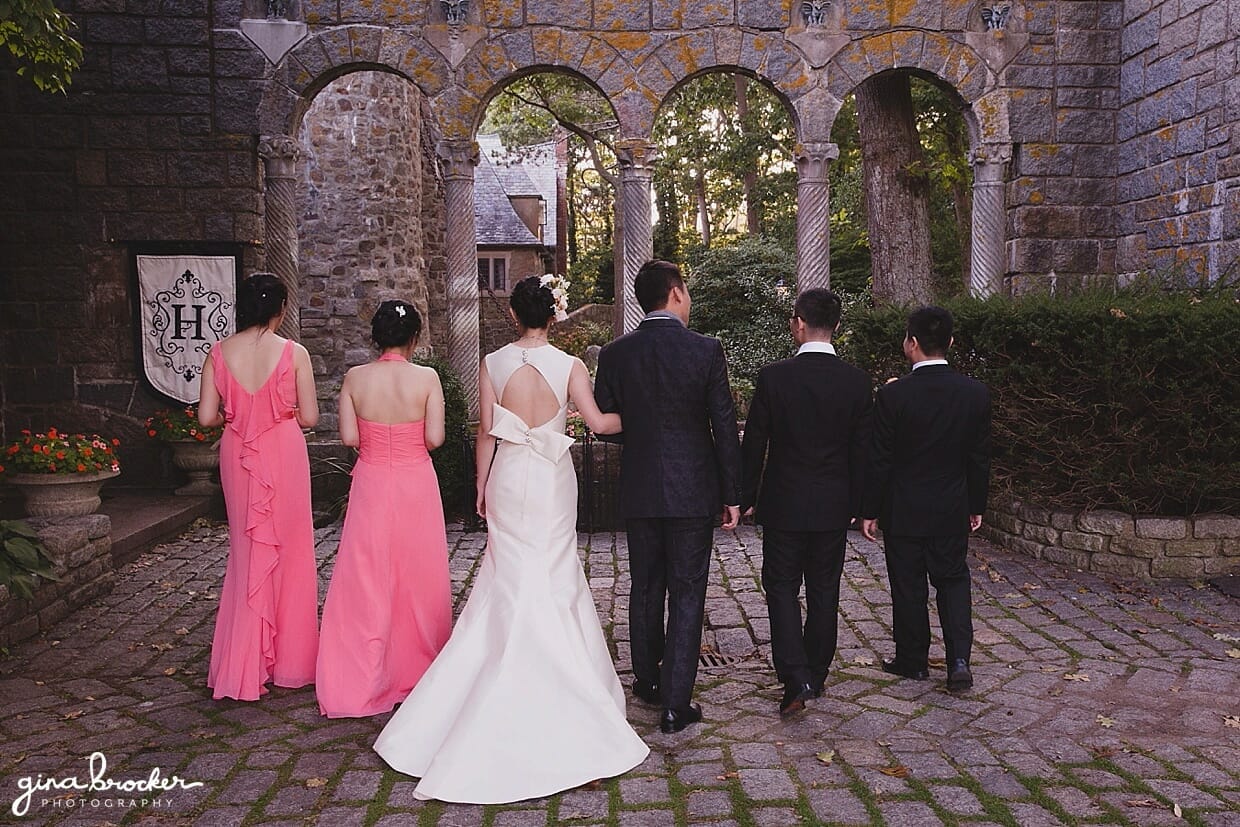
pixel 389 605
pixel 261 386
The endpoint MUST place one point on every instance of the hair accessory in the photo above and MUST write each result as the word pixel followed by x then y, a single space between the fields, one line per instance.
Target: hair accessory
pixel 558 285
pixel 400 310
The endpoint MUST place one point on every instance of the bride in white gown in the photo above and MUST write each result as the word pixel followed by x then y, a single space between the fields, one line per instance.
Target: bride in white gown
pixel 523 701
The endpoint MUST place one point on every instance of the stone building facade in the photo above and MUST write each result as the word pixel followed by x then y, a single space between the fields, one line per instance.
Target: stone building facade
pixel 1105 138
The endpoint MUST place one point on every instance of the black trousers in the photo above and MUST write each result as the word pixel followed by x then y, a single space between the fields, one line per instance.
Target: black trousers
pixel 803 655
pixel 945 561
pixel 669 560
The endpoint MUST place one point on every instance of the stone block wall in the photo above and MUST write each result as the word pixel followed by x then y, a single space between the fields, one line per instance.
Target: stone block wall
pixel 363 224
pixel 1117 543
pixel 1179 147
pixel 1063 108
pixel 81 549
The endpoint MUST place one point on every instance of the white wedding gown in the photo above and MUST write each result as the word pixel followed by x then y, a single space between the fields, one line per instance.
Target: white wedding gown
pixel 523 701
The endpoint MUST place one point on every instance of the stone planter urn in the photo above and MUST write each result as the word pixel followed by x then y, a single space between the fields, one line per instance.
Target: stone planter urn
pixel 199 460
pixel 61 495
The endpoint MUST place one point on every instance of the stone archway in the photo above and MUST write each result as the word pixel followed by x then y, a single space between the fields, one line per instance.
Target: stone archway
pixel 958 67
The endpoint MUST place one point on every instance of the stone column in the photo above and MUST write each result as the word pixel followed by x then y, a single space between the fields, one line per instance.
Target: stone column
pixel 636 158
pixel 460 157
pixel 279 154
pixel 813 159
pixel 988 262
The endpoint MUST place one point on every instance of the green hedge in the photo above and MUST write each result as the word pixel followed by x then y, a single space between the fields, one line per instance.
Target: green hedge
pixel 1128 401
pixel 453 460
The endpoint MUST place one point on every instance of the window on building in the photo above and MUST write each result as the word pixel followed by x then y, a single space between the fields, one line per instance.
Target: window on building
pixel 493 273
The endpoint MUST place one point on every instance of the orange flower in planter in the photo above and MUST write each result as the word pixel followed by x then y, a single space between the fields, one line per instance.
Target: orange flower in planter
pixel 56 452
pixel 179 426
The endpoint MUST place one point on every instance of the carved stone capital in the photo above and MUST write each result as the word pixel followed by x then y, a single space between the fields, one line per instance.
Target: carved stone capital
pixel 813 160
pixel 988 160
pixel 460 157
pixel 279 154
pixel 635 155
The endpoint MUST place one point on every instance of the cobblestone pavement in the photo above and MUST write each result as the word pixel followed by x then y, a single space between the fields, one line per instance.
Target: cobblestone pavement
pixel 1096 701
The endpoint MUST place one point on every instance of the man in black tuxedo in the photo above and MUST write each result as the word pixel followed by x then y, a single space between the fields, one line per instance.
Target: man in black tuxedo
pixel 927 483
pixel 804 454
pixel 681 463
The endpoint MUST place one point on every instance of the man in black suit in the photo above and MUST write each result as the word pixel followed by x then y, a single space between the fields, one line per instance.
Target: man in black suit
pixel 927 483
pixel 681 463
pixel 804 452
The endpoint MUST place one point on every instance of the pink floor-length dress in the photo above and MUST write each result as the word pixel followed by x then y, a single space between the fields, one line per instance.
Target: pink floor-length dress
pixel 267 626
pixel 389 606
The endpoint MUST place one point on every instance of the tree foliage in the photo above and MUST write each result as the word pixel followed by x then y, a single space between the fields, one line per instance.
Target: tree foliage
pixel 726 161
pixel 39 38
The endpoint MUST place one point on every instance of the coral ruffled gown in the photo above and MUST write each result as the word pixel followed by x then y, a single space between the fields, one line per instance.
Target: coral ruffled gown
pixel 389 607
pixel 524 700
pixel 266 630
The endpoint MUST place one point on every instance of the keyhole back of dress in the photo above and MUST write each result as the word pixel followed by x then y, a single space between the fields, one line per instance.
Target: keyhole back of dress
pixel 528 395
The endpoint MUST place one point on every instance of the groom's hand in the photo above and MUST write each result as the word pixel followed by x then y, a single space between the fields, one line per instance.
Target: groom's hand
pixel 731 516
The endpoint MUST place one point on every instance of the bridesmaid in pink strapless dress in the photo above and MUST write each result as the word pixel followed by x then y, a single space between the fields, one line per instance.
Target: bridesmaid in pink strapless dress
pixel 266 628
pixel 389 606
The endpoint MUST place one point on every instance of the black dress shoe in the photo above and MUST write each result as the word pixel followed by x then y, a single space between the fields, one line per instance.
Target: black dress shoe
pixel 795 696
pixel 959 678
pixel 674 720
pixel 893 668
pixel 648 692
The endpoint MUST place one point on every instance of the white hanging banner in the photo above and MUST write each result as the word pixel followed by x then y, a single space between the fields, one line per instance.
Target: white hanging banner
pixel 186 307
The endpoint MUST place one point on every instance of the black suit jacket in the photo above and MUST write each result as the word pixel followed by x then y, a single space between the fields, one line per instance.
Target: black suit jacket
pixel 930 459
pixel 806 441
pixel 681 450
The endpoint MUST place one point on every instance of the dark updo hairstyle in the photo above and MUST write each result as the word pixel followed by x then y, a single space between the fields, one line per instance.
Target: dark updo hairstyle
pixel 260 298
pixel 395 324
pixel 532 302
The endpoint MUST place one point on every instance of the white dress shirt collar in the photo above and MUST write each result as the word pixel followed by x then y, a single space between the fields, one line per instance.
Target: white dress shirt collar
pixel 816 347
pixel 663 314
pixel 928 362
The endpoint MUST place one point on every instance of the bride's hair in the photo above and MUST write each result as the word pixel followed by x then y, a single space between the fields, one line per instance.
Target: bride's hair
pixel 260 298
pixel 395 324
pixel 533 303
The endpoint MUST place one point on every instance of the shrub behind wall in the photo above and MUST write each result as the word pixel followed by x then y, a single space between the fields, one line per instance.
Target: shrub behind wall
pixel 1128 401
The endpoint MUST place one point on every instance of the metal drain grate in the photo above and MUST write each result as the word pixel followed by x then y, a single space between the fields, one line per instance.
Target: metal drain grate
pixel 714 660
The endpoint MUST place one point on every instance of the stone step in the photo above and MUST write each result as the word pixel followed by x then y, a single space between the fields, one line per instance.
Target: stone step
pixel 143 518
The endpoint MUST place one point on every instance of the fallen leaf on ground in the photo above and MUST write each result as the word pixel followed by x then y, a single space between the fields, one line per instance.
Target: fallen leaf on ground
pixel 1232 721
pixel 181 631
pixel 728 775
pixel 1142 802
pixel 316 782
pixel 1076 676
pixel 161 647
pixel 863 660
pixel 1029 586
pixel 39 683
pixel 69 716
pixel 994 576
pixel 170 671
pixel 90 697
pixel 1233 653
pixel 1105 722
pixel 1024 604
pixel 1175 808
pixel 826 757
pixel 1103 752
pixel 202 733
pixel 1225 637
pixel 898 771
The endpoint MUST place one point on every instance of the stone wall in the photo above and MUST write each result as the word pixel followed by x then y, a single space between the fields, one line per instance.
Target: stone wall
pixel 363 227
pixel 1178 141
pixel 1062 185
pixel 81 550
pixel 1117 543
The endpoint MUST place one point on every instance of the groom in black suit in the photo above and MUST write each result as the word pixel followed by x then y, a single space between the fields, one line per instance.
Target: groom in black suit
pixel 927 484
pixel 681 463
pixel 804 454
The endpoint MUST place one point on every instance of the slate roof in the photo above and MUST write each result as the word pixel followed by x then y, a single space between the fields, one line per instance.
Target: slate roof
pixel 501 175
